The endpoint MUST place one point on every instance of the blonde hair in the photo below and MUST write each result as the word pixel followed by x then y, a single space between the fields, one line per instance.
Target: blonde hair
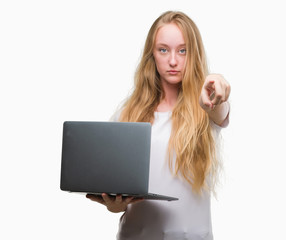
pixel 191 138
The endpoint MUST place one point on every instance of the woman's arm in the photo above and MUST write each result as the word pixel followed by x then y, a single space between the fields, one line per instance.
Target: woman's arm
pixel 214 98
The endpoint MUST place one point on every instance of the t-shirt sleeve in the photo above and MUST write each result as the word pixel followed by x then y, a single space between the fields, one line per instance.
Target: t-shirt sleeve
pixel 115 117
pixel 225 122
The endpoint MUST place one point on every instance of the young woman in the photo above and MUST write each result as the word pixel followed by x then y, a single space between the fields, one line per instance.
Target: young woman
pixel 187 106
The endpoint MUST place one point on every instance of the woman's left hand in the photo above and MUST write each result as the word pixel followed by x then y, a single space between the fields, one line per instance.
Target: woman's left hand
pixel 114 204
pixel 215 91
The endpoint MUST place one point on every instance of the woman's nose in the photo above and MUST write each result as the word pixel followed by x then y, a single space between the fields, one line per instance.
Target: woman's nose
pixel 173 59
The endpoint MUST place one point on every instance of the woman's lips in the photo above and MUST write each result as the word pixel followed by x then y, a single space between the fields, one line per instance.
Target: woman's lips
pixel 173 72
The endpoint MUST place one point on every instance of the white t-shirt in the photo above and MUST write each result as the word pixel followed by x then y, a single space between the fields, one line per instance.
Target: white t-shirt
pixel 187 218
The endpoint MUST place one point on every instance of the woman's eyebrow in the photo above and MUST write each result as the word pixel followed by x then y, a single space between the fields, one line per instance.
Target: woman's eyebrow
pixel 166 45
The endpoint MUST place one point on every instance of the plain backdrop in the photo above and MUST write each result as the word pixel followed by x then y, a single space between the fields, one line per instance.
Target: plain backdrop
pixel 75 60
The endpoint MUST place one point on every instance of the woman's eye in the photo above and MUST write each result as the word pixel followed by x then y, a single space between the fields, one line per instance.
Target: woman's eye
pixel 163 50
pixel 182 51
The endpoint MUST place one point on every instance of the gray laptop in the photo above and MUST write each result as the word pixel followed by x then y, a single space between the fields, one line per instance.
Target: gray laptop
pixel 107 157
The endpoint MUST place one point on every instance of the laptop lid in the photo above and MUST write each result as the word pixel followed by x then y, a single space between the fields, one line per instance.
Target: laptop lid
pixel 110 157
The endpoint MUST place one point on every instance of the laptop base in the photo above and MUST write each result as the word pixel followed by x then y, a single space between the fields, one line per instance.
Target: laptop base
pixel 149 196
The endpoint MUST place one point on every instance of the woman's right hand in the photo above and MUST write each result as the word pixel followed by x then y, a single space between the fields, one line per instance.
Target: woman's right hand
pixel 114 204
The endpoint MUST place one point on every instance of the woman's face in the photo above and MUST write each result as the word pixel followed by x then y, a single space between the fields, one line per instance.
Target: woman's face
pixel 170 53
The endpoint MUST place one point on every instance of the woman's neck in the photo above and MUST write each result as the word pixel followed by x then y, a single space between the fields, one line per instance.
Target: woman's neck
pixel 170 97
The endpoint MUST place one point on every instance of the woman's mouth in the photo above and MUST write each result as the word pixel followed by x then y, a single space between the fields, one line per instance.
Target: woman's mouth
pixel 173 72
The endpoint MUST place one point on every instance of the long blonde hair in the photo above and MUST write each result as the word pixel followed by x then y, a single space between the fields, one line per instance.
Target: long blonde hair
pixel 191 138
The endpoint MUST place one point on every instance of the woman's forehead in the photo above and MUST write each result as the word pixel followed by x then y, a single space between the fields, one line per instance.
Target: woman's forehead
pixel 169 34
